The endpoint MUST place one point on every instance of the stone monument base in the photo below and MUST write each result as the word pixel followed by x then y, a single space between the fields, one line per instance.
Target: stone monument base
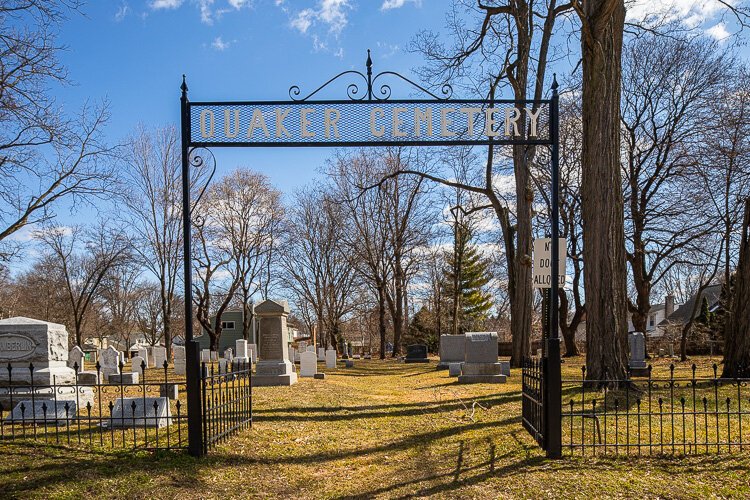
pixel 481 373
pixel 639 370
pixel 273 373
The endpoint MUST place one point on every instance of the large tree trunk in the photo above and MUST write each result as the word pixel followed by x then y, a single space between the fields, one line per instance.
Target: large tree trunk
pixel 605 272
pixel 568 330
pixel 737 326
pixel 381 318
pixel 397 308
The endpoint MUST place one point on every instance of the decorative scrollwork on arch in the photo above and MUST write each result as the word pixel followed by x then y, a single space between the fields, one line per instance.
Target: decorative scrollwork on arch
pixel 352 90
pixel 384 92
pixel 201 158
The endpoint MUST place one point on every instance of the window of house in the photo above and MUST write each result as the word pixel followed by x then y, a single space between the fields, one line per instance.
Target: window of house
pixel 652 320
pixel 227 325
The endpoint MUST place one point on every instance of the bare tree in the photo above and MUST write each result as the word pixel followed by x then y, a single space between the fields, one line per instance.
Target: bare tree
pixel 153 198
pixel 737 328
pixel 83 259
pixel 669 85
pixel 120 295
pixel 45 155
pixel 316 263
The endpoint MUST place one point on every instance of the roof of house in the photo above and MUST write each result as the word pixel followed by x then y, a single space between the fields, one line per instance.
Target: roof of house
pixel 682 314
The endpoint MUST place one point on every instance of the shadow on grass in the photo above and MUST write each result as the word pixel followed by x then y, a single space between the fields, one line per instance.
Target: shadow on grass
pixel 334 413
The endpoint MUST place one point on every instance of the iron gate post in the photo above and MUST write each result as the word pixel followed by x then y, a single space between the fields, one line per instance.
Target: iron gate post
pixel 552 382
pixel 192 361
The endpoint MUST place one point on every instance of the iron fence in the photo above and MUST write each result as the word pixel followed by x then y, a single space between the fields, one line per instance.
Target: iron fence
pixel 120 413
pixel 677 414
pixel 532 381
pixel 227 400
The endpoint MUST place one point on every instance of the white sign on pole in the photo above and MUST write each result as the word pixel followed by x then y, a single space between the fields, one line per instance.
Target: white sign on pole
pixel 542 275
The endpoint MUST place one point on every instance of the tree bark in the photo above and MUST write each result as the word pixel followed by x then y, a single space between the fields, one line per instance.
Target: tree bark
pixel 381 319
pixel 737 328
pixel 605 272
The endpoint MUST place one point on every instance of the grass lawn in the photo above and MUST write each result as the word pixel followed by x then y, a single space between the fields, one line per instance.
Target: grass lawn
pixel 382 429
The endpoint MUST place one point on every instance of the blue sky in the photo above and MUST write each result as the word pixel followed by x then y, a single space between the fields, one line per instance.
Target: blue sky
pixel 134 52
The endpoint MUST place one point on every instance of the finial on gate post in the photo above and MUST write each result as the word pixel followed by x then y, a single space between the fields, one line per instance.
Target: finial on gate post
pixel 369 76
pixel 184 87
pixel 554 84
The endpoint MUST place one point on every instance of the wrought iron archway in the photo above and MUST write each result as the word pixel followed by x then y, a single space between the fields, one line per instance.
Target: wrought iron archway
pixel 369 117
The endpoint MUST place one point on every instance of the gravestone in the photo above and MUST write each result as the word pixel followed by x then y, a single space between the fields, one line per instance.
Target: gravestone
pixel 301 346
pixel 228 354
pixel 136 365
pixel 480 361
pixel 214 356
pixel 178 352
pixel 88 378
pixel 454 369
pixel 505 368
pixel 45 345
pixel 292 353
pixel 319 376
pixel 124 378
pixel 308 364
pixel 637 361
pixel 140 412
pixel 223 366
pixel 331 358
pixel 76 357
pixel 311 348
pixel 143 353
pixel 41 412
pixel 452 350
pixel 274 367
pixel 253 350
pixel 416 353
pixel 109 360
pixel 368 356
pixel 160 356
pixel 241 361
pixel 321 354
pixel 170 391
pixel 205 355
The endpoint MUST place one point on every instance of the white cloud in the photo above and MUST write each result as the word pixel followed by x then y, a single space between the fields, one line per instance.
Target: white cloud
pixel 122 12
pixel 304 20
pixel 691 13
pixel 219 44
pixel 206 13
pixel 397 4
pixel 238 4
pixel 718 32
pixel 165 4
pixel 331 13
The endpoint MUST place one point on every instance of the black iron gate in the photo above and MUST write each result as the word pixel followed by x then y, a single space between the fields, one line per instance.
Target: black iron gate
pixel 368 117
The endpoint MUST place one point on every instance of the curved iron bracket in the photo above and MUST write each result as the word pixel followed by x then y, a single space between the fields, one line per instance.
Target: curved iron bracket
pixel 198 161
pixel 382 94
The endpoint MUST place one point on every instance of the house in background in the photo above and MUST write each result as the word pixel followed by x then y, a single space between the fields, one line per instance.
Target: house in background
pixel 656 315
pixel 231 331
pixel 678 318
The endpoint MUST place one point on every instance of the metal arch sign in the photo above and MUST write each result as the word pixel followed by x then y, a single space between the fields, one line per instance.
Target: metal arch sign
pixel 368 118
pixel 368 123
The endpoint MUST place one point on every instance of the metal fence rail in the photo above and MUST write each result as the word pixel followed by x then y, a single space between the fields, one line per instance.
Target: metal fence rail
pixel 147 415
pixel 227 400
pixel 685 414
pixel 532 380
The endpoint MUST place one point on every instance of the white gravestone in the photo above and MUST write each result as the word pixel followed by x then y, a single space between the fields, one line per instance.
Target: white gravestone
pixel 321 354
pixel 331 358
pixel 25 341
pixel 214 355
pixel 253 352
pixel 136 365
pixel 241 361
pixel 160 356
pixel 274 367
pixel 205 355
pixel 292 353
pixel 480 362
pixel 311 348
pixel 308 364
pixel 109 360
pixel 45 345
pixel 146 413
pixel 178 352
pixel 143 353
pixel 228 354
pixel 75 357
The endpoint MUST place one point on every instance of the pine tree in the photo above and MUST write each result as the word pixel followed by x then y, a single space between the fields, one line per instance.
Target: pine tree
pixel 466 277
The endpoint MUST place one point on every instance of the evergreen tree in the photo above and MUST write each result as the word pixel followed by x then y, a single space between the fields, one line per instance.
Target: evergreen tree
pixel 466 277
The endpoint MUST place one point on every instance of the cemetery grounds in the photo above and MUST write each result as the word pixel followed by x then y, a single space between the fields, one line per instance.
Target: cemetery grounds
pixel 381 429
